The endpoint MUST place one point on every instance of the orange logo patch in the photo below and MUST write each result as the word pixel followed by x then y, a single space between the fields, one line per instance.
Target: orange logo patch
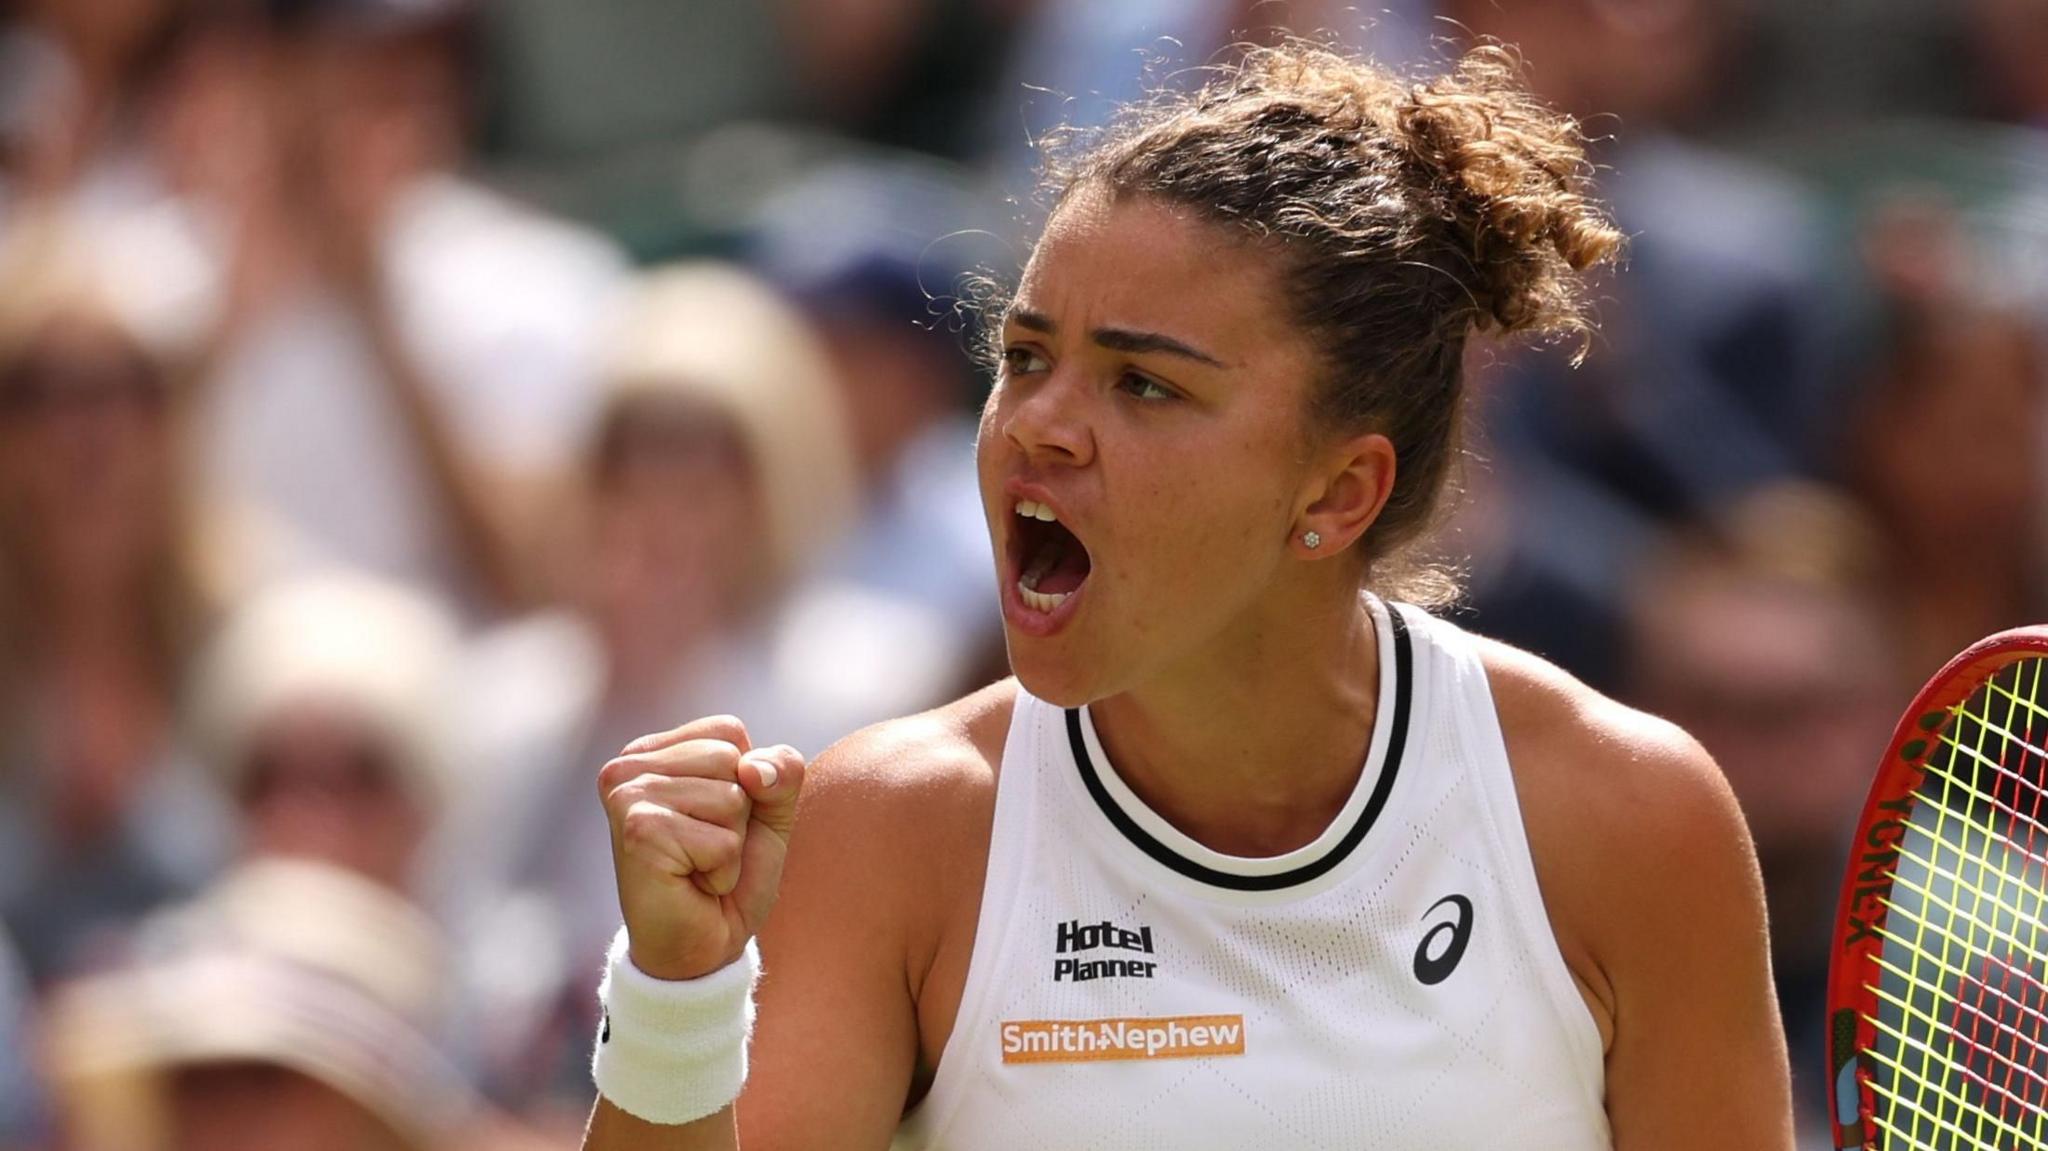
pixel 1100 1040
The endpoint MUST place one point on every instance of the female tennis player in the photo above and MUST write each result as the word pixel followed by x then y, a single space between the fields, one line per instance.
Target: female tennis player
pixel 1248 853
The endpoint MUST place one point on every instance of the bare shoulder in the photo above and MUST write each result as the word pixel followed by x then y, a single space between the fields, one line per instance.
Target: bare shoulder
pixel 948 755
pixel 1574 738
pixel 920 787
pixel 1634 831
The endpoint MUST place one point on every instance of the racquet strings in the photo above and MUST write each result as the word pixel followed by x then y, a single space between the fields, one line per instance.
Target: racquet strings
pixel 1961 1056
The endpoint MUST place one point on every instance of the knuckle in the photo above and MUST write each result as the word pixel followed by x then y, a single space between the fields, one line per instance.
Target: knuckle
pixel 723 756
pixel 612 774
pixel 703 758
pixel 629 794
pixel 726 727
pixel 644 823
pixel 712 759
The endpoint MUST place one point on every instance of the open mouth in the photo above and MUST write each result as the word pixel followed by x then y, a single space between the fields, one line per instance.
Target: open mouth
pixel 1051 563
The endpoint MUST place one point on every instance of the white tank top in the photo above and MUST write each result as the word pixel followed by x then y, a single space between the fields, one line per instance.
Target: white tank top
pixel 1392 985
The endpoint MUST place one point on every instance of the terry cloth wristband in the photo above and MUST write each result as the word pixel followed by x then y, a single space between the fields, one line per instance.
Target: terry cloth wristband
pixel 673 1051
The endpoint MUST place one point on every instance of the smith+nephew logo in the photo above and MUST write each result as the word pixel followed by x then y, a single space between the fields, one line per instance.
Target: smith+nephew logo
pixel 1089 951
pixel 1106 1040
pixel 1074 939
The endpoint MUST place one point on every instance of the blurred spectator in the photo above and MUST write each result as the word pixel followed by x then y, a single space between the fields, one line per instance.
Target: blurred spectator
pixel 1762 633
pixel 1706 380
pixel 720 473
pixel 1548 549
pixel 294 1006
pixel 408 356
pixel 70 72
pixel 1709 370
pixel 105 588
pixel 1945 441
pixel 323 704
pixel 876 254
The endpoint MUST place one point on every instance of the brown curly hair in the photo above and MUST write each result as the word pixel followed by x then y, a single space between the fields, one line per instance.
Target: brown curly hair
pixel 1407 214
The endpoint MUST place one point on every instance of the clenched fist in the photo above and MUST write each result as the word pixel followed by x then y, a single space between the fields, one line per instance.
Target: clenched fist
pixel 700 824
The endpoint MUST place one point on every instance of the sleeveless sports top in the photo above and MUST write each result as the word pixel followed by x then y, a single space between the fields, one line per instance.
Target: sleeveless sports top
pixel 1392 985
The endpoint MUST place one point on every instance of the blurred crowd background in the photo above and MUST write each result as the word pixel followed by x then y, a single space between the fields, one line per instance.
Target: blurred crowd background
pixel 403 403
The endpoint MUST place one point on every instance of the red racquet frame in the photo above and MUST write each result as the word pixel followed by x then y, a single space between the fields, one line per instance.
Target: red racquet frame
pixel 1873 860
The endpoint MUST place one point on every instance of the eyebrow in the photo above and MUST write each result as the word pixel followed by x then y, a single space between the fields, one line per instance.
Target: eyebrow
pixel 1122 339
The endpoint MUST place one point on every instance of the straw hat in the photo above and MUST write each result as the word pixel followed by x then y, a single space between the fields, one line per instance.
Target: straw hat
pixel 374 649
pixel 143 276
pixel 293 965
pixel 714 334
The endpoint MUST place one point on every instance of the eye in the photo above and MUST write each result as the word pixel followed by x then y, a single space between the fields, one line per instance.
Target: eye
pixel 1019 361
pixel 1144 387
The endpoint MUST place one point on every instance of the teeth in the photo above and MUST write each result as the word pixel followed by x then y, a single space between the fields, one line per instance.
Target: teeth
pixel 1027 582
pixel 1040 601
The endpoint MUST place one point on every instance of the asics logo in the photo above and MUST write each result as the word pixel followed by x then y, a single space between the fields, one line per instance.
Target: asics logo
pixel 1443 945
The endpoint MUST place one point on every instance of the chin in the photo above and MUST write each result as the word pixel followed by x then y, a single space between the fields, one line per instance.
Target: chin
pixel 1055 676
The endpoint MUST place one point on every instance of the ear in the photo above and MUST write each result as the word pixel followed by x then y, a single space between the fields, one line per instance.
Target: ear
pixel 1346 496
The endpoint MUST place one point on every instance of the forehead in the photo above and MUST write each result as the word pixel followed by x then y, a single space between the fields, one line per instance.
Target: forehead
pixel 1135 262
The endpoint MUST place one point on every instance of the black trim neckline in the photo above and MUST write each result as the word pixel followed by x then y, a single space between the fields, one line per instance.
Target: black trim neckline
pixel 1397 739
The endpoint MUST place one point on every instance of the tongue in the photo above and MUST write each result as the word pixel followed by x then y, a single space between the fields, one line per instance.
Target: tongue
pixel 1062 564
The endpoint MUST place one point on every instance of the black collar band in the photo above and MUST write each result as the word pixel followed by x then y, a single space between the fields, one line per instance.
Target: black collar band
pixel 1397 738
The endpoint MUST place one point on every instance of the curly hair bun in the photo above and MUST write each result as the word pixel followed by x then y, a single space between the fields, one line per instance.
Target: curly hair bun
pixel 1508 174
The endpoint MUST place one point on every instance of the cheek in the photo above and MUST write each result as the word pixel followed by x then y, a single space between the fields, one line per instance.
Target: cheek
pixel 1204 535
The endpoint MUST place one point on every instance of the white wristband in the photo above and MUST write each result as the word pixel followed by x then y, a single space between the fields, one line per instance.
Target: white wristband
pixel 673 1051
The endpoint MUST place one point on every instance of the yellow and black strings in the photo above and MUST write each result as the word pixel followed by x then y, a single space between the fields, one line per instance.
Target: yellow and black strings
pixel 1961 1059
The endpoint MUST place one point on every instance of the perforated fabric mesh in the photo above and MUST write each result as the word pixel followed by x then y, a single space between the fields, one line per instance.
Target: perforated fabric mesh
pixel 1345 1043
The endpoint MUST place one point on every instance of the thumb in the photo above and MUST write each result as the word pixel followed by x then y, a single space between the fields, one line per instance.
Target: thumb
pixel 772 778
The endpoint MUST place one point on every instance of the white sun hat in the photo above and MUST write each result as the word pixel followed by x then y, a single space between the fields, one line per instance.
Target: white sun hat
pixel 715 334
pixel 376 650
pixel 286 964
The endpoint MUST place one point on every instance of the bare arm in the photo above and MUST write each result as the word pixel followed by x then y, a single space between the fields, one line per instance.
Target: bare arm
pixel 1653 890
pixel 1698 1059
pixel 476 499
pixel 344 193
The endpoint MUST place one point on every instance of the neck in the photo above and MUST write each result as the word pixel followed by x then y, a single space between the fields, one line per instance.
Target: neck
pixel 1252 746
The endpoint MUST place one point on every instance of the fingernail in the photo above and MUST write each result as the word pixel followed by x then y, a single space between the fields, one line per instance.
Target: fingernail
pixel 768 773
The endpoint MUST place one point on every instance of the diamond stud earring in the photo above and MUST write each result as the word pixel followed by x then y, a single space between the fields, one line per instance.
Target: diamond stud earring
pixel 1312 540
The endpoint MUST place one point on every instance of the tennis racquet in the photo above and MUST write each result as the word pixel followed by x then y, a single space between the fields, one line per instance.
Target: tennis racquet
pixel 1938 990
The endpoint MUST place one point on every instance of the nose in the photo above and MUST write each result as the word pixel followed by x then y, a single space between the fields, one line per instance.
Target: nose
pixel 1046 422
